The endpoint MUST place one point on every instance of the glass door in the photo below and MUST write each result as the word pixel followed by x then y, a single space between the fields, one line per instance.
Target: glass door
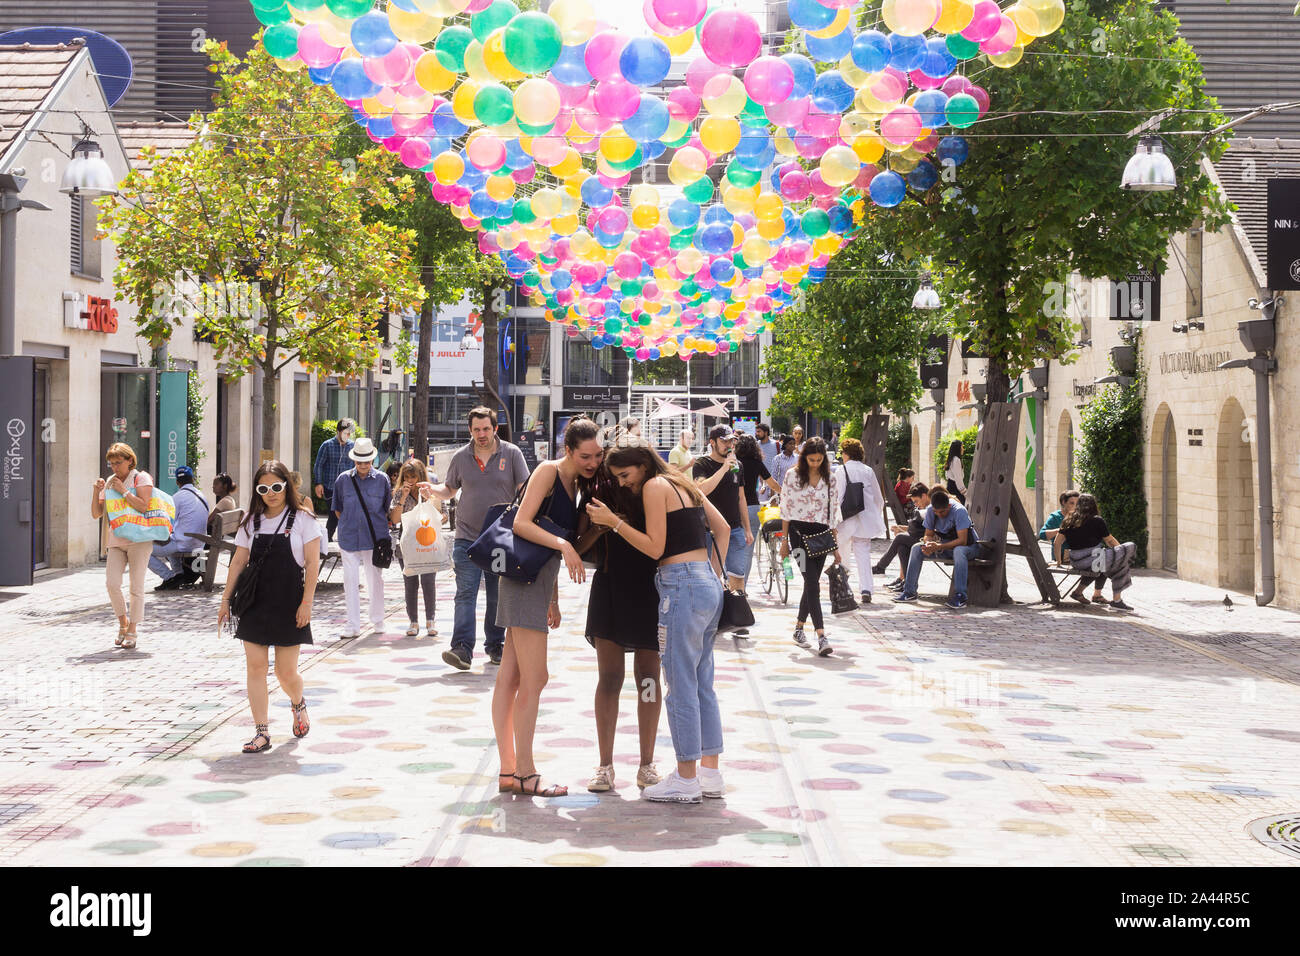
pixel 128 409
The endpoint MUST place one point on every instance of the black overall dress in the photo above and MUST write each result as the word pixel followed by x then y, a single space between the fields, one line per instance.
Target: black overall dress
pixel 271 621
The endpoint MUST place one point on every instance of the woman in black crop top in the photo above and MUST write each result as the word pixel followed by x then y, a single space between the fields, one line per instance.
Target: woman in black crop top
pixel 690 602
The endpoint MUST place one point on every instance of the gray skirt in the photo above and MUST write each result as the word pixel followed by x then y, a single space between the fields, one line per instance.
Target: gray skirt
pixel 525 605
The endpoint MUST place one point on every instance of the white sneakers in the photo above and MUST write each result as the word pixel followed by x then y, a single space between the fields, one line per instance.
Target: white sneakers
pixel 677 789
pixel 602 780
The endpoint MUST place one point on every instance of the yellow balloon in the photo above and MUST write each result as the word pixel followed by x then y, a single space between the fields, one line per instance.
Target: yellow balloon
pixel 494 56
pixel 442 8
pixel 1051 14
pixel 507 239
pixel 643 194
pixel 1008 59
pixel 374 107
pixel 784 144
pixel 546 203
pixel 720 134
pixel 869 105
pixel 868 147
pixel 955 16
pixel 447 167
pixel 687 166
pixel 724 95
pixel 737 200
pixel 569 203
pixel 570 164
pixel 335 30
pixel 537 102
pixel 615 145
pixel 768 206
pixel 413 27
pixel 771 229
pixel 836 26
pixel 828 244
pixel 904 163
pixel 853 75
pixel 839 166
pixel 290 66
pixel 678 43
pixel 462 103
pixel 689 261
pixel 432 75
pixel 474 65
pixel 581 243
pixel 676 128
pixel 755 251
pixel 576 20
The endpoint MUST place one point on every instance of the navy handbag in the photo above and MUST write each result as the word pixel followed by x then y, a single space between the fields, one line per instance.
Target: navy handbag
pixel 498 551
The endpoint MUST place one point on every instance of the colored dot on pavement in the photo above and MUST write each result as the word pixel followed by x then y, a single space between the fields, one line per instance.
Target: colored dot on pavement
pixel 793 813
pixel 848 749
pixel 767 748
pixel 1047 738
pixel 216 796
pixel 920 796
pixel 916 821
pixel 287 819
pixel 966 775
pixel 1032 827
pixel 183 828
pixel 335 747
pixel 859 768
pixel 342 719
pixel 919 848
pixel 399 746
pixel 1043 806
pixel 316 769
pixel 356 793
pixel 223 849
pixel 366 814
pixel 1241 791
pixel 424 767
pixel 126 847
pixel 773 836
pixel 908 738
pixel 474 741
pixel 575 859
pixel 814 734
pixel 1013 765
pixel 1086 755
pixel 951 758
pixel 358 841
pixel 272 861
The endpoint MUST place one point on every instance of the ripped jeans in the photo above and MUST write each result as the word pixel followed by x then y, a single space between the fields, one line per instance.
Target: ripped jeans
pixel 690 602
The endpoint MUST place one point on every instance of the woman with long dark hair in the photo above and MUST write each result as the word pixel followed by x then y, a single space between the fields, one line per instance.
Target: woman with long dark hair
pixel 754 472
pixel 1091 547
pixel 622 619
pixel 283 539
pixel 678 522
pixel 411 487
pixel 809 506
pixel 528 611
pixel 956 473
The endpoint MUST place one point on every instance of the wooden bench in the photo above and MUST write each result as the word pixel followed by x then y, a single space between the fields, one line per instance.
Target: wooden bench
pixel 989 556
pixel 215 545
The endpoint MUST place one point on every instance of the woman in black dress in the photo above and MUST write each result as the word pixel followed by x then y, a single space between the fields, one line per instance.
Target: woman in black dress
pixel 623 618
pixel 279 541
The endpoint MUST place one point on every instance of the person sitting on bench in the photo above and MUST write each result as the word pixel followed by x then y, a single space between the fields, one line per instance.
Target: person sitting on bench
pixel 1092 548
pixel 906 535
pixel 1051 531
pixel 168 558
pixel 948 531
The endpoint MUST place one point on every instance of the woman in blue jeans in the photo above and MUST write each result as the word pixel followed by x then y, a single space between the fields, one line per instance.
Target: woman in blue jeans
pixel 678 521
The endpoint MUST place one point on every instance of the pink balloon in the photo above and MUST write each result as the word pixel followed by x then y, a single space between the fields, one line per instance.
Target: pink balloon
pixel 731 38
pixel 811 147
pixel 525 175
pixel 985 23
pixel 589 117
pixel 626 265
pixel 411 127
pixel 571 95
pixel 653 22
pixel 683 104
pixel 700 71
pixel 981 97
pixel 956 84
pixel 789 113
pixel 616 99
pixel 821 188
pixel 477 6
pixel 487 243
pixel 820 124
pixel 487 152
pixel 1003 40
pixel 923 82
pixel 795 185
pixel 769 80
pixel 679 15
pixel 315 52
pixel 901 125
pixel 601 56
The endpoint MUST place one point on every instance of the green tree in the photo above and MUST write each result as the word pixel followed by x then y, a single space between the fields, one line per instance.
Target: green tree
pixel 1040 189
pixel 257 232
pixel 855 342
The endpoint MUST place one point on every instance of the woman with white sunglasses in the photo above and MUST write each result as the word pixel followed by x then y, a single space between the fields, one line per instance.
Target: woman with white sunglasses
pixel 282 540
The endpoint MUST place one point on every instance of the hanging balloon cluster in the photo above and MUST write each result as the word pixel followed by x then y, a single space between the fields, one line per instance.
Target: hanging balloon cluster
pixel 769 158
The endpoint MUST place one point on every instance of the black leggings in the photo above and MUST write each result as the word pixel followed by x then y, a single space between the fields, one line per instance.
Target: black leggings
pixel 810 605
pixel 900 547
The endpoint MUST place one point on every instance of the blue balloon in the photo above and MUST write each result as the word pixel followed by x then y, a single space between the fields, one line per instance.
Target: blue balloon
pixel 871 51
pixel 645 61
pixel 371 34
pixel 715 238
pixel 721 270
pixel 937 62
pixel 810 15
pixel 445 122
pixel 597 342
pixel 506 210
pixel 805 74
pixel 841 219
pixel 320 75
pixel 351 83
pixel 683 213
pixel 907 52
pixel 831 93
pixel 931 104
pixel 607 240
pixel 654 354
pixel 438 144
pixel 653 149
pixel 481 204
pixel 756 150
pixel 410 6
pixel 831 49
pixel 571 68
pixel 595 193
pixel 381 127
pixel 516 158
pixel 649 122
pixel 923 177
pixel 472 177
pixel 888 189
pixel 953 148
pixel 717 215
pixel 561 279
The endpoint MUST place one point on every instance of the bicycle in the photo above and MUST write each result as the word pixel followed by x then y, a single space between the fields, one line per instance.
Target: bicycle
pixel 770 545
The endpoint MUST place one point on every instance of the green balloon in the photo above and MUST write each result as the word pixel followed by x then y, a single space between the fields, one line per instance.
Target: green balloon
pixel 281 41
pixel 631 287
pixel 268 4
pixel 962 48
pixel 700 191
pixel 614 326
pixel 753 115
pixel 523 211
pixel 644 319
pixel 532 42
pixel 681 140
pixel 450 47
pixel 815 222
pixel 680 241
pixel 347 9
pixel 629 164
pixel 738 175
pixel 532 277
pixel 494 104
pixel 486 22
pixel 738 261
pixel 689 287
pixel 536 130
pixel 274 16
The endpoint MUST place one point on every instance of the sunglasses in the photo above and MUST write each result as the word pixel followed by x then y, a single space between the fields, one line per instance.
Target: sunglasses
pixel 273 489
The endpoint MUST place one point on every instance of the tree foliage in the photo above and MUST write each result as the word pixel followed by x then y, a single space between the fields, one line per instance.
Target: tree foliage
pixel 259 233
pixel 1038 198
pixel 1108 463
pixel 855 342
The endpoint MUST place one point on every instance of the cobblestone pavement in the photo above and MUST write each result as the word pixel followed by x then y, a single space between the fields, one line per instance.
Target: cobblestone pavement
pixel 1031 735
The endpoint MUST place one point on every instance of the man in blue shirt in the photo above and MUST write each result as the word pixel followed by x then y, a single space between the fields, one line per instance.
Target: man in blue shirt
pixel 947 529
pixel 770 449
pixel 361 498
pixel 191 518
pixel 332 461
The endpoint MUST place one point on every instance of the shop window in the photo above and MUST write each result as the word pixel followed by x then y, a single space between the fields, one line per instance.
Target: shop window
pixel 532 336
pixel 85 248
pixel 584 365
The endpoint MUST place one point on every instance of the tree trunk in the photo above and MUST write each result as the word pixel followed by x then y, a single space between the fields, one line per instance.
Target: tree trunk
pixel 420 413
pixel 492 356
pixel 270 380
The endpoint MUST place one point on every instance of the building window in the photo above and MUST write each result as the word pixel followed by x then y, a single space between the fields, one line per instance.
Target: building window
pixel 532 358
pixel 584 365
pixel 85 259
pixel 1195 271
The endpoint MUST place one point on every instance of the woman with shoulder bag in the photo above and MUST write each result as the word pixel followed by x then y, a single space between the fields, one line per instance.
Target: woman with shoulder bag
pixel 527 611
pixel 856 531
pixel 136 488
pixel 809 514
pixel 413 486
pixel 678 522
pixel 270 587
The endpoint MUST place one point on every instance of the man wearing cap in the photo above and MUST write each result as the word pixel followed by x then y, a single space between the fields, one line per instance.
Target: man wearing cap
pixel 191 518
pixel 362 493
pixel 332 461
pixel 487 471
pixel 719 477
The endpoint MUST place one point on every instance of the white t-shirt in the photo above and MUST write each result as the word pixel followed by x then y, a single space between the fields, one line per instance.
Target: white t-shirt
pixel 305 530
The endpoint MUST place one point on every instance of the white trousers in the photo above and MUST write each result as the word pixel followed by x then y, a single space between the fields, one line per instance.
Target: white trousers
pixel 861 548
pixel 353 562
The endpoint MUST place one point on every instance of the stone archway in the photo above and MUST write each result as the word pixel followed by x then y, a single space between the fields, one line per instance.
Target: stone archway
pixel 1064 454
pixel 1236 499
pixel 1162 466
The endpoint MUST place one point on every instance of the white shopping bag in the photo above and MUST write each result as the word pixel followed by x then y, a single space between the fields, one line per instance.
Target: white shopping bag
pixel 426 547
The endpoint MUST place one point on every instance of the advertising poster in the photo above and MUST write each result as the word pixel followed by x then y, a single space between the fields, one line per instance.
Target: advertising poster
pixel 450 365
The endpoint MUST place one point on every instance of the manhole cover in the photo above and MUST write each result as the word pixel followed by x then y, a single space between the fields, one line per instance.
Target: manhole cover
pixel 1279 833
pixel 1220 638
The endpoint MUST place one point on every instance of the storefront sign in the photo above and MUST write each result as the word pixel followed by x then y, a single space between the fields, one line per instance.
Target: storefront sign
pixel 91 313
pixel 1135 298
pixel 450 365
pixel 595 396
pixel 173 391
pixel 1284 234
pixel 1192 362
pixel 17 413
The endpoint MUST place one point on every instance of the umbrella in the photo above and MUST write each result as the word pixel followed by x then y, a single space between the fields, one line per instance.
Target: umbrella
pixel 714 410
pixel 667 409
